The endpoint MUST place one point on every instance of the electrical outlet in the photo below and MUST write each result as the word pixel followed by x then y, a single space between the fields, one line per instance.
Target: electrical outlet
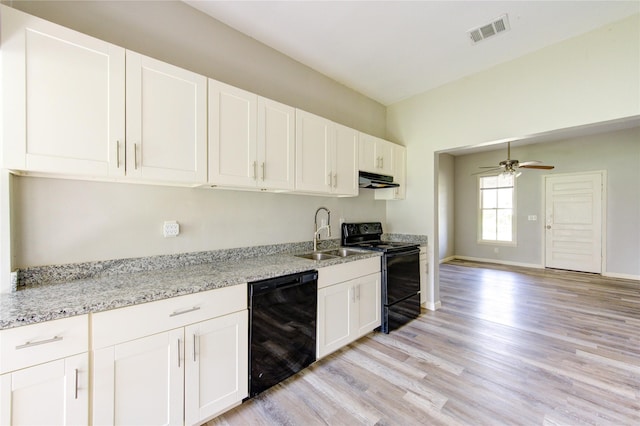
pixel 171 228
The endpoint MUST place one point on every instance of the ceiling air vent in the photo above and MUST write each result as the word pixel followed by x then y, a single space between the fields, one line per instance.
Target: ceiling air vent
pixel 497 26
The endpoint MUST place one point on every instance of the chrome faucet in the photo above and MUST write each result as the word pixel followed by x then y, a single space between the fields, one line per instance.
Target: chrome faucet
pixel 316 233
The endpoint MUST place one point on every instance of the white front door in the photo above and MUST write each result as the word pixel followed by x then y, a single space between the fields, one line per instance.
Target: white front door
pixel 573 222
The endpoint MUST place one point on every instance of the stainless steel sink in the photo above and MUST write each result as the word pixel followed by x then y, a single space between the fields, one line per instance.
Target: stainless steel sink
pixel 343 252
pixel 330 253
pixel 316 255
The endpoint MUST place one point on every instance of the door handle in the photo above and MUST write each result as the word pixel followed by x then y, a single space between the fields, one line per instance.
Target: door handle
pixel 194 347
pixel 548 226
pixel 75 396
pixel 178 353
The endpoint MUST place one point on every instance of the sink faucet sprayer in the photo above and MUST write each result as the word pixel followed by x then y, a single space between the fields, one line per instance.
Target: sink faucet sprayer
pixel 316 233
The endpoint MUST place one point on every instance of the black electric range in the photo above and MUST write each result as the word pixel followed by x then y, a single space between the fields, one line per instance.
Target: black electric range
pixel 400 272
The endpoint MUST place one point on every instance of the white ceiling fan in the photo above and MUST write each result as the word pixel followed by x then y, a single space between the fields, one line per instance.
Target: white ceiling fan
pixel 511 166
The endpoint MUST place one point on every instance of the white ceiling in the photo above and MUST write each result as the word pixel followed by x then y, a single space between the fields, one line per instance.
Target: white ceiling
pixel 392 50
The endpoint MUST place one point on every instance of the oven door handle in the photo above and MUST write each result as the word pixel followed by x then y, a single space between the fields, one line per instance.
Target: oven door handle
pixel 403 253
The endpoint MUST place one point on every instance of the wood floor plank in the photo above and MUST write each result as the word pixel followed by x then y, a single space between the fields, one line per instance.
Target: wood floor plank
pixel 510 345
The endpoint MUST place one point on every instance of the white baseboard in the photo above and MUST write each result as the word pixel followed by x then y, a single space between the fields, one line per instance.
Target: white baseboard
pixel 500 262
pixel 446 259
pixel 432 306
pixel 623 276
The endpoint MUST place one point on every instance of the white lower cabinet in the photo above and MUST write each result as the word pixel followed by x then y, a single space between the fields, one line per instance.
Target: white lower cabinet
pixel 44 373
pixel 56 392
pixel 216 360
pixel 140 382
pixel 184 375
pixel 350 308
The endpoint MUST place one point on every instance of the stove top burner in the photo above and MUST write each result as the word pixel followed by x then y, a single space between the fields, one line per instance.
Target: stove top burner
pixel 368 236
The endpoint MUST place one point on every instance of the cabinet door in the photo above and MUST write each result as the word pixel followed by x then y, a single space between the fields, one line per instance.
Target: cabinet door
pixel 166 121
pixel 276 145
pixel 399 176
pixel 384 157
pixel 216 375
pixel 400 171
pixel 232 136
pixel 56 392
pixel 367 154
pixel 63 99
pixel 345 168
pixel 314 138
pixel 335 317
pixel 140 382
pixel 369 309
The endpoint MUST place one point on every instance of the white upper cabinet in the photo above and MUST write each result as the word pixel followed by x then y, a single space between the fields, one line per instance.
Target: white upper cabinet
pixel 314 139
pixel 326 156
pixel 345 161
pixel 251 140
pixel 232 135
pixel 399 176
pixel 65 106
pixel 376 155
pixel 276 145
pixel 62 98
pixel 166 122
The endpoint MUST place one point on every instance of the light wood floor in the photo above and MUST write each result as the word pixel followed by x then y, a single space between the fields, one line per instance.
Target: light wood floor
pixel 510 345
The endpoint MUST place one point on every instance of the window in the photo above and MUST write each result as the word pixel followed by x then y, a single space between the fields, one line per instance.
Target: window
pixel 497 208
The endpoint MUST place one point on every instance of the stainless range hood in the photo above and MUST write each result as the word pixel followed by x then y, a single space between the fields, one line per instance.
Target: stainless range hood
pixel 376 181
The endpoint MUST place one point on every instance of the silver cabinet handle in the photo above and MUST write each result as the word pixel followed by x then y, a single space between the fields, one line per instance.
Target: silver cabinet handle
pixel 335 180
pixel 135 156
pixel 76 384
pixel 39 342
pixel 186 311
pixel 178 353
pixel 263 167
pixel 117 154
pixel 330 179
pixel 194 348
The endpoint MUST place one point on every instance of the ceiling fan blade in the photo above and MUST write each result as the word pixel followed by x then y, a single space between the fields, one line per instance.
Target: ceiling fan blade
pixel 528 163
pixel 541 167
pixel 489 167
pixel 487 171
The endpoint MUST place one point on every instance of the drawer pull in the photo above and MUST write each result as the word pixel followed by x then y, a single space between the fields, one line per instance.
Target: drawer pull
pixel 186 311
pixel 39 342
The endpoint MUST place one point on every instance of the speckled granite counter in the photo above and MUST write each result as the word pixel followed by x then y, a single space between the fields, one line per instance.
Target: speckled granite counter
pixel 37 303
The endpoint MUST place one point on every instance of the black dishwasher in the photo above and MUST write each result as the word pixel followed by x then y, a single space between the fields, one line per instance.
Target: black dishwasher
pixel 282 328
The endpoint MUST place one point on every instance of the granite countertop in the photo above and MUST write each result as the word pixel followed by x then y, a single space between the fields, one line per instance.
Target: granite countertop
pixel 38 303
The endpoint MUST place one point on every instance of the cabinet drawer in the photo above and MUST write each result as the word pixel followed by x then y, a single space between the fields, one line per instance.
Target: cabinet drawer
pixel 124 324
pixel 347 271
pixel 23 347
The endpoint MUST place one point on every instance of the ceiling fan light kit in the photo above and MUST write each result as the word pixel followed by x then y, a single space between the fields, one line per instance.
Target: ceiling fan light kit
pixel 509 166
